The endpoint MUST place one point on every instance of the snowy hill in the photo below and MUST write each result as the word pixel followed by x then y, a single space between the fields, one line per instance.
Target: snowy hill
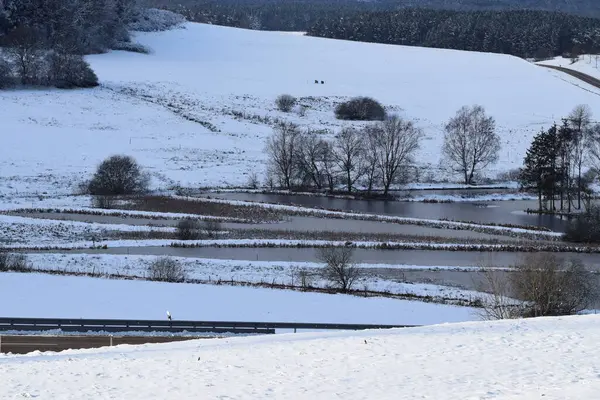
pixel 197 110
pixel 544 358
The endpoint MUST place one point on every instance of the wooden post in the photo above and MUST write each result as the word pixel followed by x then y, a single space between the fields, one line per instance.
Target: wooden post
pixel 111 342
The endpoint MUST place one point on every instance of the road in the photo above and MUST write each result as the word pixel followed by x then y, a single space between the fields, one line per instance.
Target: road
pixel 22 344
pixel 590 80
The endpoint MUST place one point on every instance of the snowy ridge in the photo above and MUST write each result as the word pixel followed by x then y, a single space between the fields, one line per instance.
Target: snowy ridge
pixel 516 360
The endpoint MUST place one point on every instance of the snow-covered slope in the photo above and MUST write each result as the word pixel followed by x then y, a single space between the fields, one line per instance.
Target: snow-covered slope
pixel 550 358
pixel 197 110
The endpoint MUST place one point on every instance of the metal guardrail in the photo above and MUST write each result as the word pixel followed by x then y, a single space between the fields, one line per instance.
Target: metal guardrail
pixel 120 325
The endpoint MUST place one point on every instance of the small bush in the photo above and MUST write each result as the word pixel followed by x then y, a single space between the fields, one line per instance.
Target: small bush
pixel 132 47
pixel 166 269
pixel 188 229
pixel 360 109
pixel 104 202
pixel 119 175
pixel 285 102
pixel 14 262
pixel 67 71
pixel 585 228
pixel 212 228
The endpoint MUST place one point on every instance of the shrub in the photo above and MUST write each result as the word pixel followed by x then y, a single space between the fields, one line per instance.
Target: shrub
pixel 551 287
pixel 188 229
pixel 212 227
pixel 285 102
pixel 166 269
pixel 14 262
pixel 104 202
pixel 541 285
pixel 339 268
pixel 119 175
pixel 360 109
pixel 132 47
pixel 67 71
pixel 585 228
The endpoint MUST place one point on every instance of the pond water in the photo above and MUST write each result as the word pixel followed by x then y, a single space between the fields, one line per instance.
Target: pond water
pixel 506 212
pixel 393 257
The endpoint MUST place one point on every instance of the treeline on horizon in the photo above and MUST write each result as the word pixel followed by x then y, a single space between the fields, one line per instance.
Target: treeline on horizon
pixel 528 28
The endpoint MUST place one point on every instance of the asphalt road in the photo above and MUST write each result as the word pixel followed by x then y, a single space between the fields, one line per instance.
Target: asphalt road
pixel 22 344
pixel 590 80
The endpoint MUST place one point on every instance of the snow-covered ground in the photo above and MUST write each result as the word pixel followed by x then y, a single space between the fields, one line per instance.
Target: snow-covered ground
pixel 543 358
pixel 197 110
pixel 40 295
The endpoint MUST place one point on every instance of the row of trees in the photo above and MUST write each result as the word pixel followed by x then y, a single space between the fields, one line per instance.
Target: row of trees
pixel 301 15
pixel 28 66
pixel 531 34
pixel 561 162
pixel 377 155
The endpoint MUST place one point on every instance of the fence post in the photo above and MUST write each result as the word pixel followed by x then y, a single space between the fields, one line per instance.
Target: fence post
pixel 111 343
pixel 0 344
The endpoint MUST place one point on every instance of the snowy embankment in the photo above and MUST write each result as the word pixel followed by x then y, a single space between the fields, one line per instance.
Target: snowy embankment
pixel 191 116
pixel 543 358
pixel 493 229
pixel 82 297
pixel 237 272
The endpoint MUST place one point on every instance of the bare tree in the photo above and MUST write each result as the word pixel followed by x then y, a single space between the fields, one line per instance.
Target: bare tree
pixel 470 141
pixel 281 148
pixel 539 285
pixel 348 150
pixel 396 141
pixel 552 287
pixel 166 269
pixel 580 121
pixel 330 171
pixel 23 52
pixel 369 157
pixel 496 301
pixel 340 269
pixel 310 155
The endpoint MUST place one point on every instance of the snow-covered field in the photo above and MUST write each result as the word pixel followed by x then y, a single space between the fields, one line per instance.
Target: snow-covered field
pixel 197 110
pixel 543 358
pixel 39 295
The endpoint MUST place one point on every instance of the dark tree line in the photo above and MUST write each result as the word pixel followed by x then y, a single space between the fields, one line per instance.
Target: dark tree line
pixel 301 15
pixel 78 26
pixel 522 33
pixel 561 162
pixel 44 40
